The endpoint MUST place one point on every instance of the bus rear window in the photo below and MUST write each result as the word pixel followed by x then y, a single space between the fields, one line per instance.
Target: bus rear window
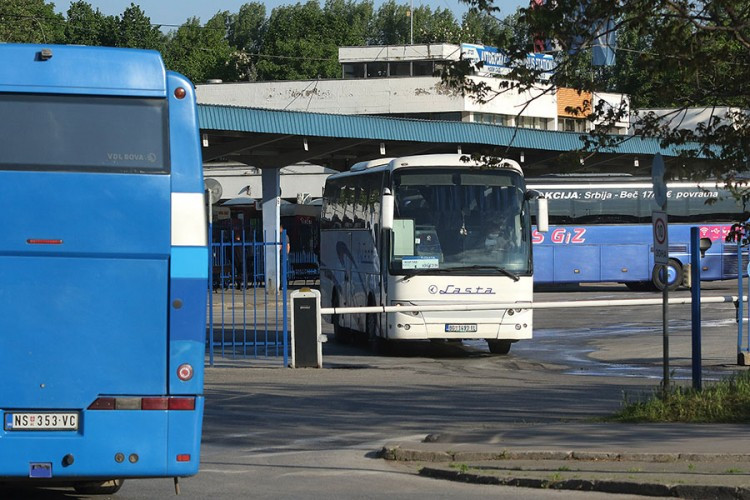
pixel 83 133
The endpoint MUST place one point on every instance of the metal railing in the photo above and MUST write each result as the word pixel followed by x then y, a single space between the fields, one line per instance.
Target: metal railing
pixel 244 318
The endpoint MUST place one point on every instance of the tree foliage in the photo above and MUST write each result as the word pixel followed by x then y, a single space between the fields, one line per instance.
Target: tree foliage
pixel 201 52
pixel 30 21
pixel 135 30
pixel 85 26
pixel 670 54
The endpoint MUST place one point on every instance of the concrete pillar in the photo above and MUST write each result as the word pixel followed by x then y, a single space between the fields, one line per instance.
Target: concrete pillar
pixel 271 180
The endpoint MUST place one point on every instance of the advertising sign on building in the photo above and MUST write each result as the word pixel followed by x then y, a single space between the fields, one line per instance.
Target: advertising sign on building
pixel 496 62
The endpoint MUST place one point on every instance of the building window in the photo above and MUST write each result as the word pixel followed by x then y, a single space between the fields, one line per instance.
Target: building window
pixel 491 119
pixel 353 70
pixel 571 125
pixel 532 122
pixel 377 70
pixel 399 69
pixel 423 68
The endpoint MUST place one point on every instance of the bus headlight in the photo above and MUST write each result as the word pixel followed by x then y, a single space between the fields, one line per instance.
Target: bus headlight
pixel 405 304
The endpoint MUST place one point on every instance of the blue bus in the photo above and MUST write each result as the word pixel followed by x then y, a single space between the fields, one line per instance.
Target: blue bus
pixel 103 268
pixel 600 231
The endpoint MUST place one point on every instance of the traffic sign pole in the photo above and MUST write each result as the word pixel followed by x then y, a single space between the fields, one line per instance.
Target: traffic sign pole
pixel 661 253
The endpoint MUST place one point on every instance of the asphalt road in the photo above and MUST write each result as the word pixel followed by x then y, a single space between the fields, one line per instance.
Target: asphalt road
pixel 271 432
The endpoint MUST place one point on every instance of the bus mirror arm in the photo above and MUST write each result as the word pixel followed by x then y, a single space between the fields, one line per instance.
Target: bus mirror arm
pixel 386 215
pixel 542 217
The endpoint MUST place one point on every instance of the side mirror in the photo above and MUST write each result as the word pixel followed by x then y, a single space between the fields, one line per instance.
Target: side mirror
pixel 386 210
pixel 542 217
pixel 705 244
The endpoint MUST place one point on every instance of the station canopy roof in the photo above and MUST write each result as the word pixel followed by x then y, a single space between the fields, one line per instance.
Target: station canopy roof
pixel 273 139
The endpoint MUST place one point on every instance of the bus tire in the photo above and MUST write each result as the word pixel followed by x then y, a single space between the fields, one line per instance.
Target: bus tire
pixel 378 344
pixel 674 276
pixel 499 346
pixel 108 487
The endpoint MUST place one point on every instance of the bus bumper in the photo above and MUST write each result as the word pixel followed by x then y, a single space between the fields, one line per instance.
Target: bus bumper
pixel 108 444
pixel 461 325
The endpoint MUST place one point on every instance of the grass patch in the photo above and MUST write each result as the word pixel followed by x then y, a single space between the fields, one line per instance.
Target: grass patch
pixel 463 468
pixel 726 401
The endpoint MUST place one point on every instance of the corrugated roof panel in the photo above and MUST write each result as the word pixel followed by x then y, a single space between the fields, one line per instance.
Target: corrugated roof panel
pixel 215 117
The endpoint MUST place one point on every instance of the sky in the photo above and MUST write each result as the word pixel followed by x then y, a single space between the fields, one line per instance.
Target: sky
pixel 176 12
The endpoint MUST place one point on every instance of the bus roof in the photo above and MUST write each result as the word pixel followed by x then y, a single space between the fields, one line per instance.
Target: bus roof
pixel 452 160
pixel 74 69
pixel 435 160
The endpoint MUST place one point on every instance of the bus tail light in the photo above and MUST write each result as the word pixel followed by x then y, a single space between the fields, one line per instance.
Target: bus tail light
pixel 144 403
pixel 185 372
pixel 155 404
pixel 183 457
pixel 182 403
pixel 103 404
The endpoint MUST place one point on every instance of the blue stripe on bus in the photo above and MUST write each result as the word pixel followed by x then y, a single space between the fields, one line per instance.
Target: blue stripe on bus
pixel 189 262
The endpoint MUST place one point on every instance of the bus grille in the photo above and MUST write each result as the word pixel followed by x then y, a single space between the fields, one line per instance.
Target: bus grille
pixel 729 264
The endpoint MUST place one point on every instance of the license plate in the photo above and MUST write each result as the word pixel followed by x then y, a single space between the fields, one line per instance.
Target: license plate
pixel 41 421
pixel 453 328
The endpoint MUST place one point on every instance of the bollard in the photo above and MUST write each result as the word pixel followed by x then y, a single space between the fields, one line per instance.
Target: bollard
pixel 307 341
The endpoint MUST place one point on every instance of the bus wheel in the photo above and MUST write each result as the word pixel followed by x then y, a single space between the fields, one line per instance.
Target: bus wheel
pixel 499 346
pixel 109 487
pixel 378 344
pixel 674 275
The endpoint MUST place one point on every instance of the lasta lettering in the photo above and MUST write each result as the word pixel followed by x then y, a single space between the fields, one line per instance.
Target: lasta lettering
pixel 458 290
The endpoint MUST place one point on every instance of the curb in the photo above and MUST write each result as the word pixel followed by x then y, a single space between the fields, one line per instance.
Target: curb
pixel 398 454
pixel 603 486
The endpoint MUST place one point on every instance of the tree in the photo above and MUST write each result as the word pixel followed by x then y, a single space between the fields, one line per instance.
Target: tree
pixel 247 27
pixel 84 26
pixel 670 53
pixel 435 27
pixel 349 22
pixel 482 28
pixel 392 25
pixel 296 47
pixel 201 52
pixel 30 21
pixel 135 30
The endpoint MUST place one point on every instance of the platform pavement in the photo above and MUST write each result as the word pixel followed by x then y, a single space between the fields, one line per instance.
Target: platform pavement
pixel 664 460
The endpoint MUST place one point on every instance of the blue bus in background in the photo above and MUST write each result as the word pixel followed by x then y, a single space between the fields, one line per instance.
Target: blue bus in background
pixel 600 231
pixel 103 268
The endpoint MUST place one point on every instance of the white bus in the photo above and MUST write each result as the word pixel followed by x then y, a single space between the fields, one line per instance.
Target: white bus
pixel 429 230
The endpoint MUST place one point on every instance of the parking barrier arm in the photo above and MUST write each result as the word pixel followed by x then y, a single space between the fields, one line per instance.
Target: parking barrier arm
pixel 528 305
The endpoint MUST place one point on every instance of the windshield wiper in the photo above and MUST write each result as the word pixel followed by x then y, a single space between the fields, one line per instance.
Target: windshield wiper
pixel 501 270
pixel 413 272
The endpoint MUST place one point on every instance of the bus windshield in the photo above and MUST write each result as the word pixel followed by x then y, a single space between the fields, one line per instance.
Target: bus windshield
pixel 469 221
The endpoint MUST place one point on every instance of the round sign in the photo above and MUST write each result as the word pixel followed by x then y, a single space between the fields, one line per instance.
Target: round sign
pixel 657 177
pixel 660 231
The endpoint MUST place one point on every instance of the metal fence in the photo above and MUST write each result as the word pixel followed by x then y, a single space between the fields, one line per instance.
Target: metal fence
pixel 245 319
